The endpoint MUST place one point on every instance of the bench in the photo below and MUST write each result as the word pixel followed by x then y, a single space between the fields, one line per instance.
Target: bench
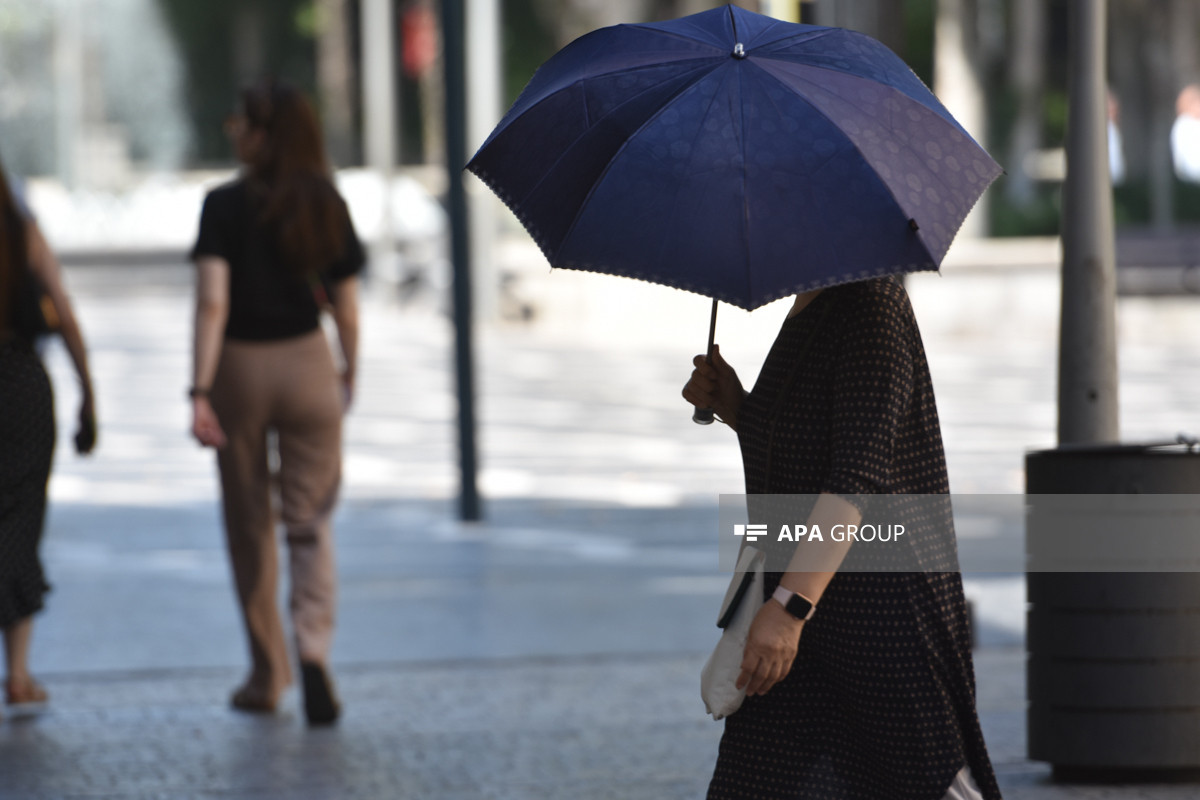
pixel 1157 263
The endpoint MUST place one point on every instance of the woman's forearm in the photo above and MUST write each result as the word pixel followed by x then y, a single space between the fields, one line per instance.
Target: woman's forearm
pixel 212 311
pixel 345 317
pixel 45 268
pixel 814 563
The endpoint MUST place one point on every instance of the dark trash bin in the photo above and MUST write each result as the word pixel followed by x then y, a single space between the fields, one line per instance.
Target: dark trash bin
pixel 1114 655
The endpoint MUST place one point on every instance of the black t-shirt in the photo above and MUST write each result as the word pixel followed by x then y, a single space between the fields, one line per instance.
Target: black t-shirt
pixel 267 298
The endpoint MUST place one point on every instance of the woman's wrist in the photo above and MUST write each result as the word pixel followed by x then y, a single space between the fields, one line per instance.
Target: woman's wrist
pixel 730 418
pixel 198 392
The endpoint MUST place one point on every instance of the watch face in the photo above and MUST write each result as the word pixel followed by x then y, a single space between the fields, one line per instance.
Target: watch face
pixel 798 607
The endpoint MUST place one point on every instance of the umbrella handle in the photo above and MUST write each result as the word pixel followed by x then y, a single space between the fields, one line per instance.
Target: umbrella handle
pixel 704 416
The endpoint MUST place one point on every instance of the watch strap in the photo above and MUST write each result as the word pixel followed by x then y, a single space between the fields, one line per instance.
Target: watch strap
pixel 795 604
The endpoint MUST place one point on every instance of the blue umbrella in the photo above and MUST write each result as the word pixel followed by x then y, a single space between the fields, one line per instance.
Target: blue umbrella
pixel 736 156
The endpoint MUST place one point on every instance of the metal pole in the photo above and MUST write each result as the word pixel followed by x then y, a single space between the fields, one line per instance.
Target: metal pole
pixel 378 32
pixel 454 56
pixel 483 112
pixel 1087 360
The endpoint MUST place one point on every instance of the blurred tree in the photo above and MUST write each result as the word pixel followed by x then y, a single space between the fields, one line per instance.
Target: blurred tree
pixel 1026 80
pixel 528 41
pixel 229 43
pixel 1153 55
pixel 879 19
pixel 423 109
pixel 919 20
pixel 337 79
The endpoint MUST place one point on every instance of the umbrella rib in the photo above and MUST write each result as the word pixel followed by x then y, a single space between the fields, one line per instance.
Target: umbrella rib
pixel 514 203
pixel 819 33
pixel 774 55
pixel 745 192
pixel 608 167
pixel 549 94
pixel 853 144
pixel 827 160
pixel 696 137
pixel 745 203
pixel 941 181
pixel 590 125
pixel 626 70
pixel 672 35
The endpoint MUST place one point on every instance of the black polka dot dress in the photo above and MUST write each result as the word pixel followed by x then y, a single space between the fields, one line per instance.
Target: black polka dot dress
pixel 26 448
pixel 880 702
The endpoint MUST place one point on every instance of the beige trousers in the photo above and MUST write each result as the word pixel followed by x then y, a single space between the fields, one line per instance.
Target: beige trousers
pixel 289 387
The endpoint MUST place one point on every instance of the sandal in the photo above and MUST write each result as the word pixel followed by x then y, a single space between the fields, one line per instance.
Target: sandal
pixel 321 706
pixel 26 693
pixel 252 701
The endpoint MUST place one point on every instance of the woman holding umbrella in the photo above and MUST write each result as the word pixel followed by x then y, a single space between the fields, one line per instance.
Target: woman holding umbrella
pixel 874 695
pixel 275 247
pixel 747 159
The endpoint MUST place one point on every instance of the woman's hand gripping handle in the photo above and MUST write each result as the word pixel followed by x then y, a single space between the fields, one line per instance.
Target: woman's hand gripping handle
pixel 714 385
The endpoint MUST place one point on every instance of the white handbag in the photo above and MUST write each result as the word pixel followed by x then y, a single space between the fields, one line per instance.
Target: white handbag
pixel 743 599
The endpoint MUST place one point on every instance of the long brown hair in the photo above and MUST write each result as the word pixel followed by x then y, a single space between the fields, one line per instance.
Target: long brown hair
pixel 13 254
pixel 292 178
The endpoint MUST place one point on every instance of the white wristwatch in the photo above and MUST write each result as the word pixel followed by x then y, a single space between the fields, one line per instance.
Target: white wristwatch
pixel 795 604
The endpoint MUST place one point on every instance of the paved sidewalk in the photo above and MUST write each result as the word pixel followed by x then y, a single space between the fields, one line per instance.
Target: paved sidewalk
pixel 551 651
pixel 599 727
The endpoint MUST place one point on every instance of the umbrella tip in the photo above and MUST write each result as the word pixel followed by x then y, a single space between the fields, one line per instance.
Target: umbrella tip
pixel 739 50
pixel 912 223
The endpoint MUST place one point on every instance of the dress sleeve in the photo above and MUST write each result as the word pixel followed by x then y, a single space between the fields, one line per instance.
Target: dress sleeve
pixel 214 236
pixel 872 387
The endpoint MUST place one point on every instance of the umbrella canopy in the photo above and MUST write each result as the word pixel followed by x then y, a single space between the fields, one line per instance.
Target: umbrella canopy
pixel 734 155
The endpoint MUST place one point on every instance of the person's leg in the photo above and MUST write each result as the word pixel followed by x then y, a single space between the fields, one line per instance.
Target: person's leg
pixel 241 400
pixel 310 441
pixel 16 649
pixel 19 684
pixel 309 427
pixel 26 452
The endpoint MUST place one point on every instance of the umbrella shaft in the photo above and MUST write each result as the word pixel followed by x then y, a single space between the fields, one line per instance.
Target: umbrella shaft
pixel 704 416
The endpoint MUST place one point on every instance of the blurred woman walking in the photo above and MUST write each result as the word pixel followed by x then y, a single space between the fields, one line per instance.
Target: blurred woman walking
pixel 32 303
pixel 275 247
